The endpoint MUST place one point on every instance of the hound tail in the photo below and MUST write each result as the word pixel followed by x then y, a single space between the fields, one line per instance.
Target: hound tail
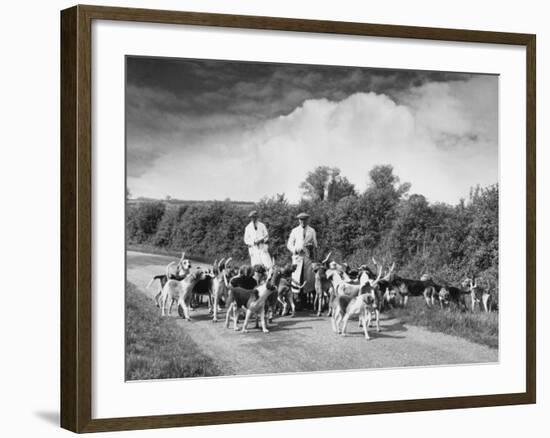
pixel 150 283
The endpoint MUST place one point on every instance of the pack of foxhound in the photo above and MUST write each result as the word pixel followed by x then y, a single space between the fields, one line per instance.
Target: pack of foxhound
pixel 339 290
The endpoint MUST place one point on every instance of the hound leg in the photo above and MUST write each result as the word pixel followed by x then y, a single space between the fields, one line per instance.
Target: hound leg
pixel 170 309
pixel 235 317
pixel 338 322
pixel 227 314
pixel 285 306
pixel 320 304
pixel 292 306
pixel 186 310
pixel 157 297
pixel 163 305
pixel 344 324
pixel 319 299
pixel 366 322
pixel 246 319
pixel 377 315
pixel 215 307
pixel 262 319
pixel 330 298
pixel 405 300
pixel 485 299
pixel 333 320
pixel 427 298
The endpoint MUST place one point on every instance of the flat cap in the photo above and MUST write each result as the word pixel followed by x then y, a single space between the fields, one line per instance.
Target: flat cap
pixel 253 213
pixel 302 216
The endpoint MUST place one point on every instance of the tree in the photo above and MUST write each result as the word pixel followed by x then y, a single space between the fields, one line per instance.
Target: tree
pixel 339 187
pixel 378 205
pixel 344 226
pixel 325 183
pixel 383 178
pixel 410 233
pixel 482 241
pixel 316 182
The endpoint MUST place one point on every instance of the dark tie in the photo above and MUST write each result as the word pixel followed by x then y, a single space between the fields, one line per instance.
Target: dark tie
pixel 304 234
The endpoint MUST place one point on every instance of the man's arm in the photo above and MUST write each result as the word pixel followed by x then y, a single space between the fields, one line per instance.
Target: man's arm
pixel 291 242
pixel 263 233
pixel 248 237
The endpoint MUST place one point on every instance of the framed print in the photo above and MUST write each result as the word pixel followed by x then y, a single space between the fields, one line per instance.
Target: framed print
pixel 329 218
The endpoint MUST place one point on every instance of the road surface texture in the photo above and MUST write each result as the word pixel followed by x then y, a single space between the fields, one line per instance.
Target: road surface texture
pixel 307 342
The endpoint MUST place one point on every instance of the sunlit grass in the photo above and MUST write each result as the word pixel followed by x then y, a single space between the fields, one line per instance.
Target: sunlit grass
pixel 158 348
pixel 479 327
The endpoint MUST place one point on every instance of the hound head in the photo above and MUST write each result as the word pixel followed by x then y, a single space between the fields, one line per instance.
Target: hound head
pixel 367 270
pixel 287 270
pixel 184 267
pixel 231 272
pixel 470 284
pixel 370 301
pixel 195 276
pixel 353 274
pixel 273 278
pixel 319 269
pixel 246 271
pixel 224 266
pixel 444 295
pixel 260 273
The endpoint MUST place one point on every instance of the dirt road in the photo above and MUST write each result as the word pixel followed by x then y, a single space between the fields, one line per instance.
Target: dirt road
pixel 307 342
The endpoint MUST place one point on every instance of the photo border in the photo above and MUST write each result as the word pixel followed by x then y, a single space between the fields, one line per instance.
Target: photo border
pixel 76 217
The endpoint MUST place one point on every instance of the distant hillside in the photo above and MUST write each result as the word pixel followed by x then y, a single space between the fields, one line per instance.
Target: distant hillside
pixel 172 203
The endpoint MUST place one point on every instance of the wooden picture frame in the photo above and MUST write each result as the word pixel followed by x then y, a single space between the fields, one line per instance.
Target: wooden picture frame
pixel 76 217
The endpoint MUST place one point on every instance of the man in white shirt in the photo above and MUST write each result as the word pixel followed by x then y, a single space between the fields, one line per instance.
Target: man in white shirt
pixel 302 244
pixel 256 237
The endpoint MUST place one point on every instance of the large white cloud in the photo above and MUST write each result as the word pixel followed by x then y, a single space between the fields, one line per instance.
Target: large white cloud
pixel 441 137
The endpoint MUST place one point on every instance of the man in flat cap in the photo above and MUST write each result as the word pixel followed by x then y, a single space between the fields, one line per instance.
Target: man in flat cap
pixel 302 244
pixel 255 237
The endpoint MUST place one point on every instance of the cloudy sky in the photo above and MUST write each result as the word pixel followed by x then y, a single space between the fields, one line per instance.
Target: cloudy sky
pixel 202 129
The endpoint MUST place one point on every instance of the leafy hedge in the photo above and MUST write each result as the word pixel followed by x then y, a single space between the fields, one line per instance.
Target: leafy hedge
pixel 447 241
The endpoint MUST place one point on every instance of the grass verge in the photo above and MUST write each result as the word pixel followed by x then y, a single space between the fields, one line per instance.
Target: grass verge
pixel 157 348
pixel 151 249
pixel 478 327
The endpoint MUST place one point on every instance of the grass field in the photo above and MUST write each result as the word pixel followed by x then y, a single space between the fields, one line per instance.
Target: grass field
pixel 478 327
pixel 158 348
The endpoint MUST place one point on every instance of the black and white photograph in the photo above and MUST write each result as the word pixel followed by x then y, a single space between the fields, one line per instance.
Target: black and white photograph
pixel 290 218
